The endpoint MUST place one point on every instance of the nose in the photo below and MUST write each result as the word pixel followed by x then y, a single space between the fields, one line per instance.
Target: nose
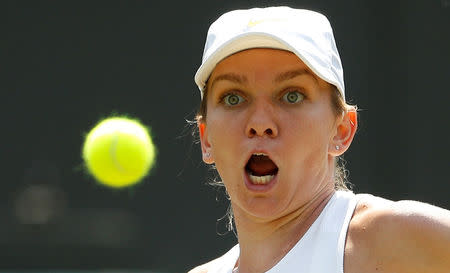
pixel 261 121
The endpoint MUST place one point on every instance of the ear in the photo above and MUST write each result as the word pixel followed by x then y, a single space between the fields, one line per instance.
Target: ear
pixel 345 131
pixel 204 142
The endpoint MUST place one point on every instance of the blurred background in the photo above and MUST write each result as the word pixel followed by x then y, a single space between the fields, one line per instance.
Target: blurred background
pixel 67 64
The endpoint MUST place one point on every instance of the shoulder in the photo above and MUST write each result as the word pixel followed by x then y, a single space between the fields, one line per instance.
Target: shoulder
pixel 406 236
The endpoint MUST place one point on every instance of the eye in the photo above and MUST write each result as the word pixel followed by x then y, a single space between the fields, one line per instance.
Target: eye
pixel 293 97
pixel 232 99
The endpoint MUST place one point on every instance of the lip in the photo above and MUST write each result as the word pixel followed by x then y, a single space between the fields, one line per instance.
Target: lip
pixel 260 151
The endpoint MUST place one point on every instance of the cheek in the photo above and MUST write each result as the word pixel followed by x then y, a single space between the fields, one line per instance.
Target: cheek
pixel 225 149
pixel 219 129
pixel 224 138
pixel 310 136
pixel 314 125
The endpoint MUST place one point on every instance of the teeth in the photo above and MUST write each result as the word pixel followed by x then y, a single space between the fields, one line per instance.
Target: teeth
pixel 261 180
pixel 260 154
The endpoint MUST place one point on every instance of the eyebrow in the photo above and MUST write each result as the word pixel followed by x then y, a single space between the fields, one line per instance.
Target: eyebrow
pixel 241 79
pixel 232 77
pixel 292 74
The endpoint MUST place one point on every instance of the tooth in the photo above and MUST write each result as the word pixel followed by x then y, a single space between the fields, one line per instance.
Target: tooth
pixel 266 178
pixel 261 180
pixel 253 178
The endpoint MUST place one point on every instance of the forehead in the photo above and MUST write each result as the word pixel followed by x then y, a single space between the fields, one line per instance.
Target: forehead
pixel 256 55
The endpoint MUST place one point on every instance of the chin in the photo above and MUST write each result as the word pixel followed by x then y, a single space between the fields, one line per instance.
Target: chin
pixel 264 208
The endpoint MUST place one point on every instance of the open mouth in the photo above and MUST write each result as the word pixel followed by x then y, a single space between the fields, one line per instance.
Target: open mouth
pixel 261 169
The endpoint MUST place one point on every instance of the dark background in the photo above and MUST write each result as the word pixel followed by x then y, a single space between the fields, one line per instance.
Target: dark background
pixel 67 64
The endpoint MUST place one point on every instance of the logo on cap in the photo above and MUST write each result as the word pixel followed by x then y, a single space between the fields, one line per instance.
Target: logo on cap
pixel 253 23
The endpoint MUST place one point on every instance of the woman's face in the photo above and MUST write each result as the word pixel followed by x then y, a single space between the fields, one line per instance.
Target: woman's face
pixel 270 130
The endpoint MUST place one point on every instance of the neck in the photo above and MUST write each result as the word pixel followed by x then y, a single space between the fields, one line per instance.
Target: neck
pixel 263 244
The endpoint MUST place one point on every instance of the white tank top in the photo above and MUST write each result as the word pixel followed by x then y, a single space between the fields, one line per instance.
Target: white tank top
pixel 320 250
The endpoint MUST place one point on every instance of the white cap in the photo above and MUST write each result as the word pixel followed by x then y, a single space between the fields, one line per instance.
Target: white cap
pixel 306 33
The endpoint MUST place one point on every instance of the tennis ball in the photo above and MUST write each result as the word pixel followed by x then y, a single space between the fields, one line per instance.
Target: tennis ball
pixel 119 152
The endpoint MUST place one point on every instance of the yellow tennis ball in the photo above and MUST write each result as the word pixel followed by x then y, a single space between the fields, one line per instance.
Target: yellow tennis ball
pixel 119 152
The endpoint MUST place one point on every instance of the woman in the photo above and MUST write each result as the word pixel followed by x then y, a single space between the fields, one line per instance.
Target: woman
pixel 273 120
